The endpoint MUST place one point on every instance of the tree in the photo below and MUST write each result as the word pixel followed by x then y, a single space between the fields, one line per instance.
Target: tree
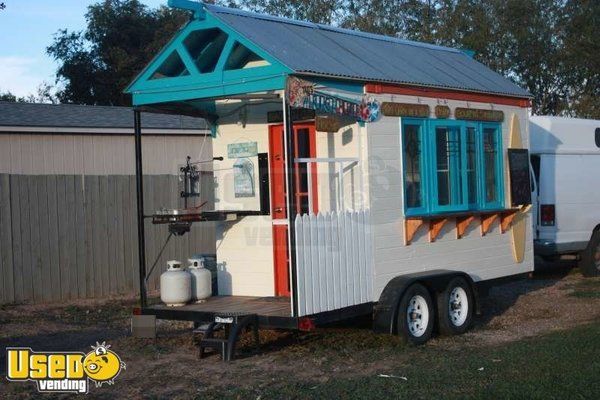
pixel 318 11
pixel 581 57
pixel 8 96
pixel 44 94
pixel 121 37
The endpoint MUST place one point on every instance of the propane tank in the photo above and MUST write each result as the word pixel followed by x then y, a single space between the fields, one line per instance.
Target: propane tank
pixel 175 285
pixel 201 280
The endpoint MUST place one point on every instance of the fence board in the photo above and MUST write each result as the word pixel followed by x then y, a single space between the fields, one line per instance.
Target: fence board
pixel 120 259
pixel 44 233
pixel 24 213
pixel 8 288
pixel 111 228
pixel 128 228
pixel 150 232
pixel 335 261
pixel 344 282
pixel 355 258
pixel 71 246
pixel 99 255
pixel 82 257
pixel 63 229
pixel 133 234
pixel 53 237
pixel 3 206
pixel 89 186
pixel 329 272
pixel 333 253
pixel 102 226
pixel 314 263
pixel 301 264
pixel 16 239
pixel 37 260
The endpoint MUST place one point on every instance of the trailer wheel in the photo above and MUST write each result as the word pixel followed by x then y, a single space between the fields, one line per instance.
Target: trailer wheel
pixel 416 314
pixel 455 307
pixel 590 257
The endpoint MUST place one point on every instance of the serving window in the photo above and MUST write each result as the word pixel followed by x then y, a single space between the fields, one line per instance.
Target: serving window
pixel 451 166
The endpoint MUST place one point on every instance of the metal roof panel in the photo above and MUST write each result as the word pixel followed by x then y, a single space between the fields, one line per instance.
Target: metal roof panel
pixel 335 52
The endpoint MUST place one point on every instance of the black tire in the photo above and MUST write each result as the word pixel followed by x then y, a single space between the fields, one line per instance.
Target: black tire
pixel 416 297
pixel 589 265
pixel 457 322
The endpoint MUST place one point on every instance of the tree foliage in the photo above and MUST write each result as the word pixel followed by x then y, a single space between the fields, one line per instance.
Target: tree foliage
pixel 120 39
pixel 44 94
pixel 549 47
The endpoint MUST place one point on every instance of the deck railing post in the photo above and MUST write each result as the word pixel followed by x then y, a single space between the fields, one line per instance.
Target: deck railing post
pixel 137 128
pixel 310 188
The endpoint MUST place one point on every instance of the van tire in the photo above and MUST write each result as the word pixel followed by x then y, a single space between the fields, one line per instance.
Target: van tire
pixel 416 315
pixel 589 265
pixel 455 307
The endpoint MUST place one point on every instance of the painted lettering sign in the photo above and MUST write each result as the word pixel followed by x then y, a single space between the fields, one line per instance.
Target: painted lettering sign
pixel 391 109
pixel 476 114
pixel 240 150
pixel 442 112
pixel 329 123
pixel 302 94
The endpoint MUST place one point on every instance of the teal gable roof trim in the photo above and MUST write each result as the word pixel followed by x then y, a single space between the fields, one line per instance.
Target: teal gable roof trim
pixel 270 74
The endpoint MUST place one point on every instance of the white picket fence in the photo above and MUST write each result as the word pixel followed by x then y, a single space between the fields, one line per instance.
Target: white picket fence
pixel 334 260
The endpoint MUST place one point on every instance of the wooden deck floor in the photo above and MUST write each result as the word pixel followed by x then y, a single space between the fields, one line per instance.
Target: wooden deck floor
pixel 266 306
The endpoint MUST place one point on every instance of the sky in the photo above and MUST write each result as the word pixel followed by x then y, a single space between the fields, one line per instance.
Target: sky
pixel 26 29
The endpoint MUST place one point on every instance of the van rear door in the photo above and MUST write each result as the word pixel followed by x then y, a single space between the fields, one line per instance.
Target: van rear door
pixel 535 182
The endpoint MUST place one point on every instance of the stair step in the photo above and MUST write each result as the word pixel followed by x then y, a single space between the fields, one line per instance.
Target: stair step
pixel 201 328
pixel 204 327
pixel 236 325
pixel 210 341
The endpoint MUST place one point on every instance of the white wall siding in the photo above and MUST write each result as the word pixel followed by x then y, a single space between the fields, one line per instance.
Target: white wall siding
pixel 333 255
pixel 482 257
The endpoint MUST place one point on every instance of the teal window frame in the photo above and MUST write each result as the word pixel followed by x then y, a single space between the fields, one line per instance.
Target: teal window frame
pixel 457 171
pixel 424 190
pixel 457 174
pixel 499 172
pixel 474 205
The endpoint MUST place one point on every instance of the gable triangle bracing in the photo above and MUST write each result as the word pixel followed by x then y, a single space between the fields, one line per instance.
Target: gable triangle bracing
pixel 207 59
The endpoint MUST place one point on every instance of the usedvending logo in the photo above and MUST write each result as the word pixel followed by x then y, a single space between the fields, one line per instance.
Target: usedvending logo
pixel 64 371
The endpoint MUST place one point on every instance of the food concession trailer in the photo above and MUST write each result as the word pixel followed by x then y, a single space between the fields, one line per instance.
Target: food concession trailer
pixel 353 174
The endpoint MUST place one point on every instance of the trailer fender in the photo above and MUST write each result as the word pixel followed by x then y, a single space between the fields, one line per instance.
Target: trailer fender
pixel 385 312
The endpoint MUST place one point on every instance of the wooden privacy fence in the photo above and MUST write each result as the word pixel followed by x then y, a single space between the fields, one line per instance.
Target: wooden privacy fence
pixel 334 260
pixel 75 236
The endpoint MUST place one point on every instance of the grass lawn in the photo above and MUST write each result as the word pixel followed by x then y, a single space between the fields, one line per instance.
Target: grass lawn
pixel 561 365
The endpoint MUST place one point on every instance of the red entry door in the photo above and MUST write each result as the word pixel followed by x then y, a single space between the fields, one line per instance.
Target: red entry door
pixel 305 147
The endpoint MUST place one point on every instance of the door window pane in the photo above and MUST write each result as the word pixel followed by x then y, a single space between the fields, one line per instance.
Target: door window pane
pixel 490 152
pixel 412 165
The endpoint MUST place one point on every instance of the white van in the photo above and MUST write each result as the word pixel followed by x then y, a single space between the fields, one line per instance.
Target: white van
pixel 565 156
